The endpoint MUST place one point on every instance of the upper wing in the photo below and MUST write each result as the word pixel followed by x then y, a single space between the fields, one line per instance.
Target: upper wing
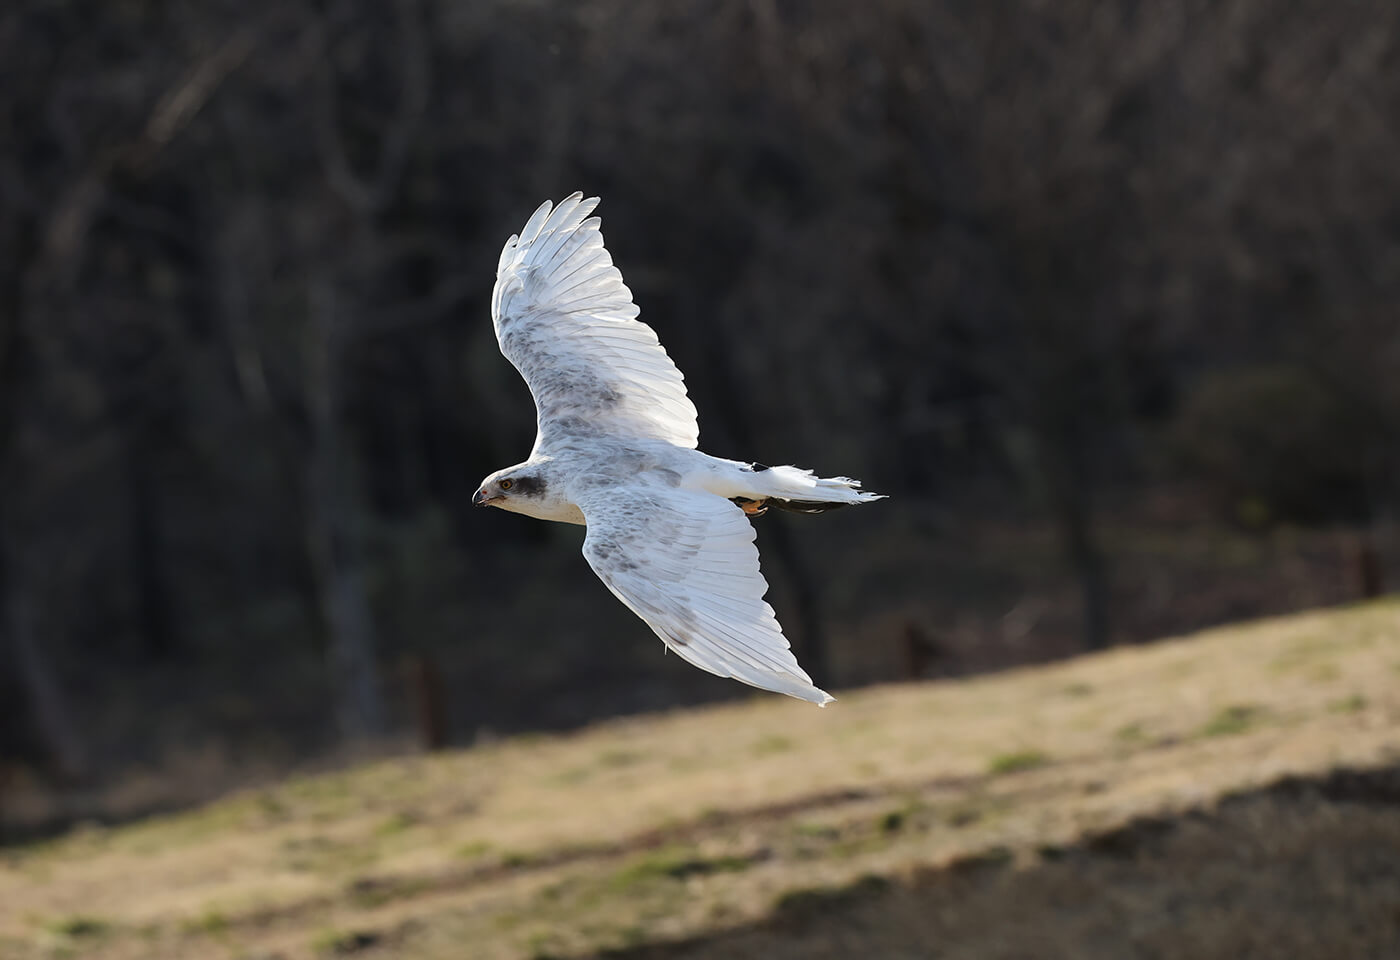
pixel 685 562
pixel 566 320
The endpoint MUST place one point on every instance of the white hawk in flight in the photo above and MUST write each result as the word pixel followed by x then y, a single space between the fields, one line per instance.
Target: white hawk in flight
pixel 668 526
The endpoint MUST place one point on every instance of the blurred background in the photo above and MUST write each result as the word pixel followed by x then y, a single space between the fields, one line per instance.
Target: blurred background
pixel 1103 295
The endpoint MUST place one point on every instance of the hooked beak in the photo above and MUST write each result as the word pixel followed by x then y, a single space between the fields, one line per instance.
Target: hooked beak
pixel 480 498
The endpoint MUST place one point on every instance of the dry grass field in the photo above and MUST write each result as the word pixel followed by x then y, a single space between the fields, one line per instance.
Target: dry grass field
pixel 1232 794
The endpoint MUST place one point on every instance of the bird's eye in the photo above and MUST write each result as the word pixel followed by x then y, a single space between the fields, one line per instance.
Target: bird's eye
pixel 507 484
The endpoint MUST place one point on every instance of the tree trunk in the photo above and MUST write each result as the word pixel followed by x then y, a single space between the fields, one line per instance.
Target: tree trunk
pixel 331 533
pixel 50 712
pixel 147 553
pixel 44 707
pixel 1071 502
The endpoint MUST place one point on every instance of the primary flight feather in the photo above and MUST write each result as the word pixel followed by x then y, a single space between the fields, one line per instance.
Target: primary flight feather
pixel 668 526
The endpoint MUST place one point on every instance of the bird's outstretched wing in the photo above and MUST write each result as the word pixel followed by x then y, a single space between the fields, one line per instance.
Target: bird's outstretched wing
pixel 685 562
pixel 567 322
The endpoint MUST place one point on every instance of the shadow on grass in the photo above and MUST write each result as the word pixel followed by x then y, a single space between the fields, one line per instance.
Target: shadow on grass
pixel 1302 868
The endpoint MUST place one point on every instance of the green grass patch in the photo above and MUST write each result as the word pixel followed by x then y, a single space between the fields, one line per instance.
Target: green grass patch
pixel 472 850
pixel 370 892
pixel 893 822
pixel 398 823
pixel 317 853
pixel 815 831
pixel 1130 733
pixel 211 922
pixel 341 943
pixel 673 864
pixel 79 926
pixel 901 817
pixel 1017 761
pixel 1234 719
pixel 1352 704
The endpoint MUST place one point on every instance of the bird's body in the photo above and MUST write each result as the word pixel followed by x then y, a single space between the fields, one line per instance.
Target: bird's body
pixel 668 526
pixel 567 471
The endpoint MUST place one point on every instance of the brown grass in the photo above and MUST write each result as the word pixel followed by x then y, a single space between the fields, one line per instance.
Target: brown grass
pixel 1298 870
pixel 678 828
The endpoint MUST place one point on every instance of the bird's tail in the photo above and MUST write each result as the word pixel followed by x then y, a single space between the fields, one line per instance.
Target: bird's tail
pixel 802 491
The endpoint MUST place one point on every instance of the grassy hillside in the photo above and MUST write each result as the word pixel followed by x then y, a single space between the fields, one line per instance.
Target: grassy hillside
pixel 1072 810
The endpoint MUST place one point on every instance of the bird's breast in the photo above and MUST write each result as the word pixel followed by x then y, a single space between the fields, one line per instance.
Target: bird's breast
pixel 557 509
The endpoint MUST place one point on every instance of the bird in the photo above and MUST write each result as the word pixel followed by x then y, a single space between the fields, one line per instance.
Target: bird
pixel 616 449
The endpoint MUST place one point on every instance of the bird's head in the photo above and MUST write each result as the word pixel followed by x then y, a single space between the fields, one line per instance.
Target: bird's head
pixel 507 488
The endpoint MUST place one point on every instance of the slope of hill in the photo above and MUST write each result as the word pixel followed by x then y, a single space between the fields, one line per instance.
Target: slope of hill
pixel 1182 797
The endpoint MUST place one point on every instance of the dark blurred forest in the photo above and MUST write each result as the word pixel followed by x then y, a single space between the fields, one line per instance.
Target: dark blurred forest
pixel 1103 294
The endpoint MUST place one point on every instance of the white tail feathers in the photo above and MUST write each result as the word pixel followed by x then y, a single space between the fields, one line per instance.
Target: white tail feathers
pixel 804 487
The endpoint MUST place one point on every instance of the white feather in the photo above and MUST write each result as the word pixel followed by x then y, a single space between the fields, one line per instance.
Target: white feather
pixel 567 322
pixel 685 562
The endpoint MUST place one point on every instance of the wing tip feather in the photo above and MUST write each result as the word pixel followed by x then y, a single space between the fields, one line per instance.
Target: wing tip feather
pixel 557 272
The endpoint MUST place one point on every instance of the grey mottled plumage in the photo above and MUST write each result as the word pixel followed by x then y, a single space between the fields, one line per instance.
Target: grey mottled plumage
pixel 616 449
